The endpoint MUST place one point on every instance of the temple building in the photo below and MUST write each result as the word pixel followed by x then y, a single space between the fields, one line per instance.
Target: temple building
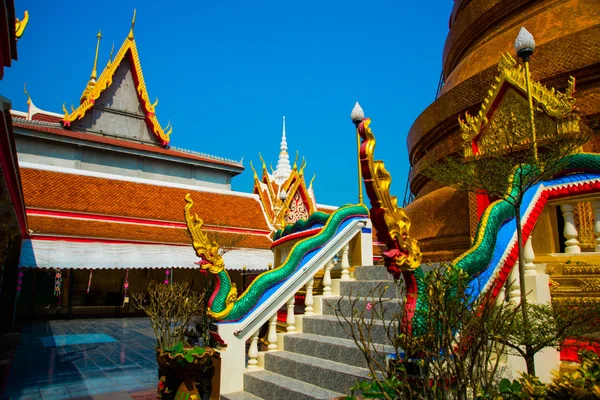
pixel 283 192
pixel 480 32
pixel 104 198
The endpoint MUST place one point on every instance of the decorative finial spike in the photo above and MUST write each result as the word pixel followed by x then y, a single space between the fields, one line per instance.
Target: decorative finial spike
pixel 357 114
pixel 110 57
pixel 130 37
pixel 284 168
pixel 28 96
pixel 94 73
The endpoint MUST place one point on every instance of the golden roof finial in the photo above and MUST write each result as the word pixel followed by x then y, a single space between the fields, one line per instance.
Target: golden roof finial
pixel 28 96
pixel 20 25
pixel 130 37
pixel 112 50
pixel 252 166
pixel 94 74
pixel 312 180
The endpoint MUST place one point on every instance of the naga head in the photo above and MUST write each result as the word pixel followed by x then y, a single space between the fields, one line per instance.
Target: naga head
pixel 206 249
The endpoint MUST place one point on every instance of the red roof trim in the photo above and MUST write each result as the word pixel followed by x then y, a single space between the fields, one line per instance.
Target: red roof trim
pixel 138 221
pixel 21 123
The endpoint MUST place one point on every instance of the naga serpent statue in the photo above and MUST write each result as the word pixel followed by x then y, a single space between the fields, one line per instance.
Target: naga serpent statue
pixel 402 256
pixel 224 304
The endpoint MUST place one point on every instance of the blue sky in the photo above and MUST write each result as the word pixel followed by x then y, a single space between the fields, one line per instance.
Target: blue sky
pixel 225 73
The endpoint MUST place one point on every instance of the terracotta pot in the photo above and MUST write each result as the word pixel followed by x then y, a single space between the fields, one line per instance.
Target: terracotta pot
pixel 184 370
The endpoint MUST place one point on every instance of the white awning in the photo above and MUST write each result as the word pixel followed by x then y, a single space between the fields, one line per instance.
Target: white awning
pixel 85 255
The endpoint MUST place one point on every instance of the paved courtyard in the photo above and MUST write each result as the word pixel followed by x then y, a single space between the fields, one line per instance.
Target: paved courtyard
pixel 77 358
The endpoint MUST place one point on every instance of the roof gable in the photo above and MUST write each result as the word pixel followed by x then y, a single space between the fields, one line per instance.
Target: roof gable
pixel 501 117
pixel 125 68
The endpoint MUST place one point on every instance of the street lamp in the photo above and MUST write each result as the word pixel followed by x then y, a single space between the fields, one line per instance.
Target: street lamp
pixel 524 46
pixel 358 115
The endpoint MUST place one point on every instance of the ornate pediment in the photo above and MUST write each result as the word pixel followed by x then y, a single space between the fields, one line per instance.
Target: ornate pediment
pixel 503 119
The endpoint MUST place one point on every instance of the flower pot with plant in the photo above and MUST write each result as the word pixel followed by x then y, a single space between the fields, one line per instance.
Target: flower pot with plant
pixel 170 307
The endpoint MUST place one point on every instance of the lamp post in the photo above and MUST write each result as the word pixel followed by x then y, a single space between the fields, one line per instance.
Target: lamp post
pixel 357 115
pixel 524 46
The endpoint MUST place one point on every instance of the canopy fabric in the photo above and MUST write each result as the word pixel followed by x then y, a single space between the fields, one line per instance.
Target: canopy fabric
pixel 95 255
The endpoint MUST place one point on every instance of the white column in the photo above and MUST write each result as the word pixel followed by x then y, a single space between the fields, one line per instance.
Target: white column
pixel 569 231
pixel 253 352
pixel 345 263
pixel 291 318
pixel 327 278
pixel 596 208
pixel 308 300
pixel 514 291
pixel 529 256
pixel 272 337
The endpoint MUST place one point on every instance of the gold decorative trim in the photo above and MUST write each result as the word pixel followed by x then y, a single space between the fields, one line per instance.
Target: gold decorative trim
pixel 90 95
pixel 20 25
pixel 396 219
pixel 581 269
pixel 556 105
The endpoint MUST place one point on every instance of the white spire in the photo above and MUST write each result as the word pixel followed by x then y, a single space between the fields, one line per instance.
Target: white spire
pixel 284 168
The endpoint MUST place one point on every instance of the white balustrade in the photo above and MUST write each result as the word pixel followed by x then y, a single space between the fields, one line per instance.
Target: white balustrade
pixel 569 231
pixel 291 318
pixel 596 208
pixel 514 291
pixel 345 263
pixel 272 336
pixel 327 291
pixel 253 352
pixel 309 300
pixel 529 256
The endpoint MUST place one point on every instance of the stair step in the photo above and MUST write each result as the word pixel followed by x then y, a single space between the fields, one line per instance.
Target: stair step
pixel 240 396
pixel 271 386
pixel 369 289
pixel 328 325
pixel 390 308
pixel 323 373
pixel 372 273
pixel 339 350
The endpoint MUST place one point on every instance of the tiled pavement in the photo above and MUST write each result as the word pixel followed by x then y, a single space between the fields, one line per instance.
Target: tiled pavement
pixel 77 358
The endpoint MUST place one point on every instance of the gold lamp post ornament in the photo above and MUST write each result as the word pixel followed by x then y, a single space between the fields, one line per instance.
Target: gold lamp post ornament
pixel 357 115
pixel 524 46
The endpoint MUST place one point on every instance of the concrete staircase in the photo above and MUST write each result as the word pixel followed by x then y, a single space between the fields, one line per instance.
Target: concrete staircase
pixel 321 362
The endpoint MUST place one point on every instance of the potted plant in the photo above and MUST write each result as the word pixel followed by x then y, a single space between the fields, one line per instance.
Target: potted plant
pixel 170 308
pixel 200 336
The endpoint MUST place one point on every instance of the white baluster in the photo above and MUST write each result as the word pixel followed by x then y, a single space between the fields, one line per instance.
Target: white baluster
pixel 501 296
pixel 514 293
pixel 291 318
pixel 596 208
pixel 309 301
pixel 569 231
pixel 327 278
pixel 272 337
pixel 529 256
pixel 253 352
pixel 345 263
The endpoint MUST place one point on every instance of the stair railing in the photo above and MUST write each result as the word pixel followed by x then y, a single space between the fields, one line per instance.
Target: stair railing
pixel 235 335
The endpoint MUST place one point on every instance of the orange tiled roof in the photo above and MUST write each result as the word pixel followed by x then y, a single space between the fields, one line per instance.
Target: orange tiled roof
pixel 56 129
pixel 111 230
pixel 68 192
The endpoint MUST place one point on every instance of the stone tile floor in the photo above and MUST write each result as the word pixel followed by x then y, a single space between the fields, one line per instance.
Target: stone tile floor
pixel 77 358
